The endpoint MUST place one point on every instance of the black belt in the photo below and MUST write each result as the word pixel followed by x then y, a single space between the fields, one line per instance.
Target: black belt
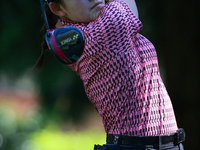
pixel 176 138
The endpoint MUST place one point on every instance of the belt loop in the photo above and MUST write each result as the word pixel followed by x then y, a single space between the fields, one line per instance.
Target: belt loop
pixel 160 143
pixel 119 142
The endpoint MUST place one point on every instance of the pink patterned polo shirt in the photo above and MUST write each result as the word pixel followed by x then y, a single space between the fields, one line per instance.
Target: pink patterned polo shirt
pixel 120 73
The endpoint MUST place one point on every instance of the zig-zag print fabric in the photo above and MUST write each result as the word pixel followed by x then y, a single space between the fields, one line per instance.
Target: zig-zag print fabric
pixel 120 73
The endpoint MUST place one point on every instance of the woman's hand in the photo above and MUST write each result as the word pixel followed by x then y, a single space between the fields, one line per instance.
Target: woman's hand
pixel 131 4
pixel 133 7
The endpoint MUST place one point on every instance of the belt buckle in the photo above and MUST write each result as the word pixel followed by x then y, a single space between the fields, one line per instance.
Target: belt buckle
pixel 180 136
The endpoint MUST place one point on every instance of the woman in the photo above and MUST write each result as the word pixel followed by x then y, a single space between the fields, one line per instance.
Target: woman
pixel 120 73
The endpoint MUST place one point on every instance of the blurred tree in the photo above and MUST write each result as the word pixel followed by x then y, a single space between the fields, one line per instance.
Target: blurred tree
pixel 20 47
pixel 19 41
pixel 180 42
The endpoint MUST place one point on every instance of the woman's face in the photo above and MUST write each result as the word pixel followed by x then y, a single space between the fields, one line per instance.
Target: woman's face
pixel 83 11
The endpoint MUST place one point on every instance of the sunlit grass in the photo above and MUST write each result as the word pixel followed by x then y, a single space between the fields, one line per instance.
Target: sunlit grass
pixel 55 139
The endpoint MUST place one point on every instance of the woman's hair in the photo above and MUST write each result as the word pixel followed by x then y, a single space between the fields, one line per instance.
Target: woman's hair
pixel 52 20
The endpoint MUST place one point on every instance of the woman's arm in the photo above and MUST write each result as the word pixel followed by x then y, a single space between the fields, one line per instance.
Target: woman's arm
pixel 132 5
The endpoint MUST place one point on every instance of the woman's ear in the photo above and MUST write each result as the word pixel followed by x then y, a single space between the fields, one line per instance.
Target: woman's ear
pixel 57 9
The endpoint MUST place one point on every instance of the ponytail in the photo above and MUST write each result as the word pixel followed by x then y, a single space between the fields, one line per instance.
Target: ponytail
pixel 52 20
